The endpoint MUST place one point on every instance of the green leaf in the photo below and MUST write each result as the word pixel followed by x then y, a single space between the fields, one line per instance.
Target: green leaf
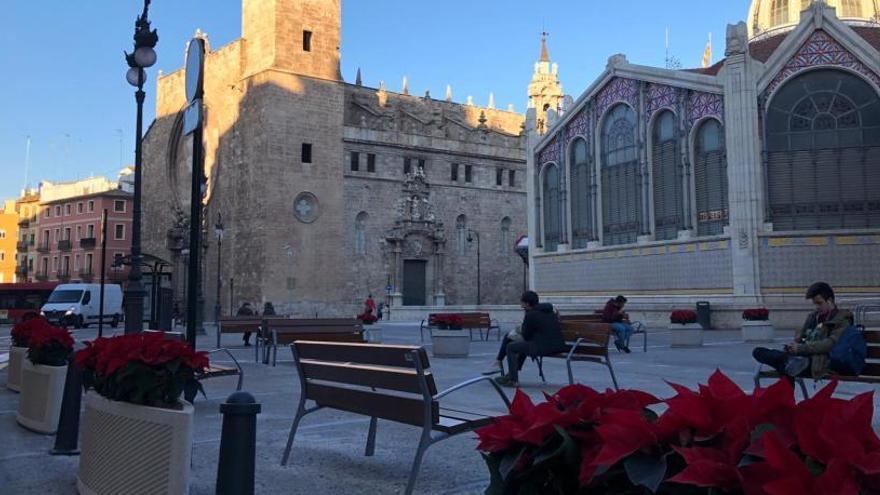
pixel 508 462
pixel 760 430
pixel 816 468
pixel 645 470
pixel 496 481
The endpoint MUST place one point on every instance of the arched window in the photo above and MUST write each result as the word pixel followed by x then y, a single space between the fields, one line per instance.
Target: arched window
pixel 461 235
pixel 823 153
pixel 360 236
pixel 850 8
pixel 552 212
pixel 666 171
pixel 778 12
pixel 621 203
pixel 581 195
pixel 504 244
pixel 710 178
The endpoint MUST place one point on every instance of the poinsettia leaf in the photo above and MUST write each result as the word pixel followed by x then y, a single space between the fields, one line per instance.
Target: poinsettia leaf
pixel 496 481
pixel 816 468
pixel 509 461
pixel 722 387
pixel 570 452
pixel 646 470
pixel 759 430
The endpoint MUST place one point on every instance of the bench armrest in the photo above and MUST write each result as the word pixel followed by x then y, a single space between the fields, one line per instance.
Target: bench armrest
pixel 473 381
pixel 223 349
pixel 573 349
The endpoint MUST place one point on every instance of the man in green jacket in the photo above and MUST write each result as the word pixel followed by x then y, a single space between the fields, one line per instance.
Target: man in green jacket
pixel 808 355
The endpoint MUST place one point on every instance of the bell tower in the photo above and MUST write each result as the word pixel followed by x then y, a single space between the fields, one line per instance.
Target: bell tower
pixel 300 36
pixel 545 90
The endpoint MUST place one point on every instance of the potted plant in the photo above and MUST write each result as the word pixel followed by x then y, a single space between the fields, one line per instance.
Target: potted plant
pixel 713 440
pixel 43 374
pixel 686 332
pixel 18 350
pixel 134 385
pixel 756 326
pixel 448 338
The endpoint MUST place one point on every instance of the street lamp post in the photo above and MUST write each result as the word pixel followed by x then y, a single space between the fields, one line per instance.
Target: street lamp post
pixel 218 229
pixel 470 238
pixel 142 57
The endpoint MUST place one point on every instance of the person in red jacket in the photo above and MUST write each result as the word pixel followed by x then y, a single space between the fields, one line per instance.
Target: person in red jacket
pixel 368 317
pixel 614 315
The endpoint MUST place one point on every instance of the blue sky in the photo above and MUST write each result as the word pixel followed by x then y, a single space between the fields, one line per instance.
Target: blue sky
pixel 64 75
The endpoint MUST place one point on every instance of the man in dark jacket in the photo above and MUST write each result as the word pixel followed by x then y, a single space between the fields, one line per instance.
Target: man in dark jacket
pixel 246 310
pixel 614 315
pixel 541 336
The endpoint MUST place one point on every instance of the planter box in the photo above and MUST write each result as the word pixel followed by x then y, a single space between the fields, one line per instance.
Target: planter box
pixel 128 448
pixel 17 356
pixel 758 331
pixel 42 388
pixel 690 335
pixel 451 343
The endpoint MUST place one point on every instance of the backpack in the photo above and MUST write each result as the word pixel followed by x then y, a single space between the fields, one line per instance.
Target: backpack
pixel 849 353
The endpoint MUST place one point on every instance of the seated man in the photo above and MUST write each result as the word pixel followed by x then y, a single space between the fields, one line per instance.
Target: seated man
pixel 541 336
pixel 808 355
pixel 613 314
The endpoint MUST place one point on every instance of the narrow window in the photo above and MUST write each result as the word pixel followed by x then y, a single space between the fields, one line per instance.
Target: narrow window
pixel 371 162
pixel 58 211
pixel 355 161
pixel 91 206
pixel 422 165
pixel 468 173
pixel 307 153
pixel 119 234
pixel 67 210
pixel 499 176
pixel 307 41
pixel 454 172
pixel 407 166
pixel 90 228
pixel 79 208
pixel 511 178
pixel 119 206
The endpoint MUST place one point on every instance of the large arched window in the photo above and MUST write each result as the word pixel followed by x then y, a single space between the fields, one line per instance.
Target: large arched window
pixel 504 244
pixel 778 12
pixel 823 153
pixel 621 203
pixel 666 171
pixel 710 178
pixel 360 233
pixel 583 230
pixel 552 212
pixel 461 235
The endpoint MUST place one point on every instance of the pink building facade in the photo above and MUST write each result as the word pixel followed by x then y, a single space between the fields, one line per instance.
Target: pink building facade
pixel 69 237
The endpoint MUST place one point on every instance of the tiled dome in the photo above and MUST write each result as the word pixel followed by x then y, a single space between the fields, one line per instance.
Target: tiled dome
pixel 769 17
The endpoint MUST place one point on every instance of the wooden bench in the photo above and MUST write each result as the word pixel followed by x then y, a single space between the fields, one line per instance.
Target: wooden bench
pixel 596 318
pixel 389 382
pixel 213 370
pixel 589 343
pixel 471 322
pixel 871 373
pixel 237 324
pixel 275 332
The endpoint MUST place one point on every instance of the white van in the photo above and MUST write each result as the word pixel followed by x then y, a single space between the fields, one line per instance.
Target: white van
pixel 78 305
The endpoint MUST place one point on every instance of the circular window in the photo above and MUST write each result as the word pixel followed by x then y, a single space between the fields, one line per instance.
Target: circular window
pixel 305 207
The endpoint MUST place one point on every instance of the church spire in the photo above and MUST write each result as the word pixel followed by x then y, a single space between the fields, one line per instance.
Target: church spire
pixel 545 55
pixel 545 90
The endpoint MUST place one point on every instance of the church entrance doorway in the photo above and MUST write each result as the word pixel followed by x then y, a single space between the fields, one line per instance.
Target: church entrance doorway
pixel 414 287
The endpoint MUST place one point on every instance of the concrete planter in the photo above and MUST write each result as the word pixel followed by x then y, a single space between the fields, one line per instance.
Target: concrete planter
pixel 373 333
pixel 758 331
pixel 17 356
pixel 451 343
pixel 42 388
pixel 689 335
pixel 127 448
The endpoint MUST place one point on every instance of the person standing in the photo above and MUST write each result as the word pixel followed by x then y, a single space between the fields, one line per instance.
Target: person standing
pixel 368 317
pixel 614 315
pixel 268 309
pixel 246 310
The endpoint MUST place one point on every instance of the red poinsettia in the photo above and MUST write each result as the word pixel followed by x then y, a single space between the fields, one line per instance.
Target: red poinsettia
pixel 49 345
pixel 21 331
pixel 756 314
pixel 683 316
pixel 445 320
pixel 140 368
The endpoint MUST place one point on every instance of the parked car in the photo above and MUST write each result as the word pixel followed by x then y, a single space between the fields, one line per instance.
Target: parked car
pixel 78 305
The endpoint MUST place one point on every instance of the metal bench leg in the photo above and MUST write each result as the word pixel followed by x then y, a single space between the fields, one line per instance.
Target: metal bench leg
pixel 371 438
pixel 570 374
pixel 424 443
pixel 645 339
pixel 541 368
pixel 274 354
pixel 613 378
pixel 218 335
pixel 300 412
pixel 803 388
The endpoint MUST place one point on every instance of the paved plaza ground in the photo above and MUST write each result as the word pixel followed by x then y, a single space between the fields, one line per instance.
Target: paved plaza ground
pixel 328 452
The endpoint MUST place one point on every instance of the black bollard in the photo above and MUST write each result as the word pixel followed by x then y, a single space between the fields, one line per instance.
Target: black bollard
pixel 67 436
pixel 235 470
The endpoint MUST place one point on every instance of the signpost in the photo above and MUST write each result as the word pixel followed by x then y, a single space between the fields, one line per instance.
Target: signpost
pixel 193 123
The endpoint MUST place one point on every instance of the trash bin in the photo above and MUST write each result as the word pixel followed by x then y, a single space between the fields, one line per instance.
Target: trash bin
pixel 704 314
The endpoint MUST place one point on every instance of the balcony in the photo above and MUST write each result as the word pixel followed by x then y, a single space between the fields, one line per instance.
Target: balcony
pixel 64 276
pixel 86 274
pixel 43 247
pixel 42 276
pixel 22 245
pixel 87 243
pixel 21 270
pixel 24 222
pixel 64 245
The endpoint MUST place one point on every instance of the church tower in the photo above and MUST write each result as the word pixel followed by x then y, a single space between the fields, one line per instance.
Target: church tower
pixel 545 90
pixel 300 36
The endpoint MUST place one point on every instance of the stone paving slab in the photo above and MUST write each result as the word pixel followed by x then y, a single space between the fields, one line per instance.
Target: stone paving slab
pixel 328 455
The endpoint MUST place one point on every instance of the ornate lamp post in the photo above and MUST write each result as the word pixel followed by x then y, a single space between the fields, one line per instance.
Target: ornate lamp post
pixel 142 57
pixel 218 230
pixel 470 238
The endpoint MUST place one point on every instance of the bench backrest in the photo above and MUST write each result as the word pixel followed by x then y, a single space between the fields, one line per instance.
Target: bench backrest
pixel 239 324
pixel 595 337
pixel 469 320
pixel 323 329
pixel 392 382
pixel 582 317
pixel 872 364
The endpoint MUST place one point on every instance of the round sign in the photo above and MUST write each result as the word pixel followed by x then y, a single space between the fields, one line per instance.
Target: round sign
pixel 195 65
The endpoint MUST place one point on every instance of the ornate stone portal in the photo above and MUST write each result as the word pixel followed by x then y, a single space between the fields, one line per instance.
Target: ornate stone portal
pixel 416 236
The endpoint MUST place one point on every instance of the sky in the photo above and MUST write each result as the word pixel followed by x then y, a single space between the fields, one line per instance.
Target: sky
pixel 64 73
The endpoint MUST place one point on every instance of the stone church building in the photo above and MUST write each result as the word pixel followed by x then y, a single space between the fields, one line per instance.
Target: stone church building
pixel 330 190
pixel 739 184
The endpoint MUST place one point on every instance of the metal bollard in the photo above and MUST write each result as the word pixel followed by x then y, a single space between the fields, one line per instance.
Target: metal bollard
pixel 235 469
pixel 67 436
